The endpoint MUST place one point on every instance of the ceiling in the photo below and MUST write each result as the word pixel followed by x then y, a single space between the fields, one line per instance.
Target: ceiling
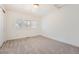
pixel 41 10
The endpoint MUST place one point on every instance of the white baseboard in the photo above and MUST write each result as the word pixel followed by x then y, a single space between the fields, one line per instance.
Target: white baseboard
pixel 22 36
pixel 45 35
pixel 54 38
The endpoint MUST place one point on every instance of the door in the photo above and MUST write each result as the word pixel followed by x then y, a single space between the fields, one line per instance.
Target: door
pixel 2 28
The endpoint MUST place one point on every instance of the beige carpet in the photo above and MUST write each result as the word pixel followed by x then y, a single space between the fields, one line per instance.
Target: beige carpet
pixel 37 45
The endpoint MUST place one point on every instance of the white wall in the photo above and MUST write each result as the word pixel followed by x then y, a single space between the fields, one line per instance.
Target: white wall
pixel 14 32
pixel 63 24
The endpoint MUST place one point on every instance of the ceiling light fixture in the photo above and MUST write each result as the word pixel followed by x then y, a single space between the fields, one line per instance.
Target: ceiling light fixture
pixel 59 5
pixel 35 5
